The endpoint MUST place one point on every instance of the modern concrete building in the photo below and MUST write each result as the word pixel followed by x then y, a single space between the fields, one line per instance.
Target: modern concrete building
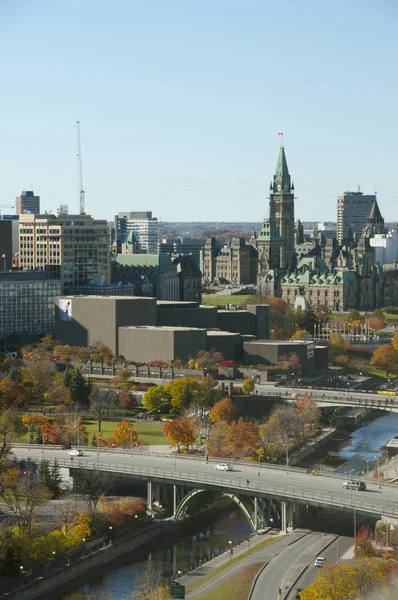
pixel 143 225
pixel 74 248
pixel 148 343
pixel 27 203
pixel 14 220
pixel 353 210
pixel 82 320
pixel 27 303
pixel 271 352
pixel 5 245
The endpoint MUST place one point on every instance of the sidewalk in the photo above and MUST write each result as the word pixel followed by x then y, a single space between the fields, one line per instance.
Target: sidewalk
pixel 390 470
pixel 208 568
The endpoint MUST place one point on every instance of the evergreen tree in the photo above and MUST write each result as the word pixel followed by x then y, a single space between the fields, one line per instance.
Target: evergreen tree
pixel 94 440
pixel 78 387
pixel 50 476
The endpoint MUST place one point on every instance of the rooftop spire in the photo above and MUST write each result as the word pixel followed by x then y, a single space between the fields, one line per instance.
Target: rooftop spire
pixel 282 172
pixel 375 222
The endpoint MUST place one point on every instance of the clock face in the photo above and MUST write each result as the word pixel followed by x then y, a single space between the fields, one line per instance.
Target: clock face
pixel 285 187
pixel 278 187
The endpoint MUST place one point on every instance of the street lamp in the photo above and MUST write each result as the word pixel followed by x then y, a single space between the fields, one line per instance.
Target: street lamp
pixel 378 471
pixel 28 426
pixel 179 573
pixel 131 440
pixel 43 437
pixel 367 469
pixel 230 550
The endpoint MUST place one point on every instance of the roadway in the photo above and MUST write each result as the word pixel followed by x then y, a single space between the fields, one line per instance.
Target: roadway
pixel 246 479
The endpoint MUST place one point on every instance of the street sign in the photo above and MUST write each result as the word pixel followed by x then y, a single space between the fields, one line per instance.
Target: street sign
pixel 177 591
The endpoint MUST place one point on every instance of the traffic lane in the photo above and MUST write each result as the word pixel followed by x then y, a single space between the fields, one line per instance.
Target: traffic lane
pixel 270 580
pixel 332 554
pixel 263 555
pixel 291 482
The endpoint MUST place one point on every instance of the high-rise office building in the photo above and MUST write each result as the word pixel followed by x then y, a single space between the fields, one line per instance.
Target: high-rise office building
pixel 27 203
pixel 143 225
pixel 353 210
pixel 74 248
pixel 27 303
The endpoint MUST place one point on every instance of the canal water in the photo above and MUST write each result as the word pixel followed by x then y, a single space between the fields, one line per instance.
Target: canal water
pixel 365 444
pixel 174 553
pixel 184 551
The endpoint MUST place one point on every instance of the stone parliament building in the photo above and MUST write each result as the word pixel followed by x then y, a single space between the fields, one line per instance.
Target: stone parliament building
pixel 341 276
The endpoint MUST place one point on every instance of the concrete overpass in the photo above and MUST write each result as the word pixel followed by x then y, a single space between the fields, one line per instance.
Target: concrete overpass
pixel 263 492
pixel 333 397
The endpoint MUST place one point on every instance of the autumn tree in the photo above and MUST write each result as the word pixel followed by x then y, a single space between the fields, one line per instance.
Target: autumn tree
pixel 244 438
pixel 346 581
pixel 300 334
pixel 102 403
pixel 308 410
pixel 208 393
pixel 183 393
pixel 364 543
pixel 385 357
pixel 100 353
pixel 64 352
pixel 157 398
pixel 37 378
pixel 395 340
pixel 248 386
pixel 124 435
pixel 11 427
pixel 12 393
pixel 22 492
pixel 92 485
pixel 342 361
pixel 224 410
pixel 180 431
pixel 337 345
pixel 205 359
pixel 219 443
pixel 354 315
pixel 126 397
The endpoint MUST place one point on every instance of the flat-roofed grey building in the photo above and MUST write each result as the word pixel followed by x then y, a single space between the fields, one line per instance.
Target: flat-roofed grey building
pixel 82 320
pixel 146 343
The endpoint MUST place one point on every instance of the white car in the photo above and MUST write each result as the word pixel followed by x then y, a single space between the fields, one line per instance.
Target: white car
pixel 224 467
pixel 319 562
pixel 75 452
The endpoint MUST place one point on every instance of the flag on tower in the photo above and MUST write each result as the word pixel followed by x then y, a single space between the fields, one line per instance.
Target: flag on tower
pixel 280 133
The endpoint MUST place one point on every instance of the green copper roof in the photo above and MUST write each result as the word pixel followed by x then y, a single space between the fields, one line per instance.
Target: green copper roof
pixel 269 232
pixel 281 172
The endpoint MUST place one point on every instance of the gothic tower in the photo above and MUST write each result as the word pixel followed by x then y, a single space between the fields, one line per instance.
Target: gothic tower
pixel 281 208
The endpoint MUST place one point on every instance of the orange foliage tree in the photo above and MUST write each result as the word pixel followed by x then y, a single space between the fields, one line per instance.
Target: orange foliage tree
pixel 180 432
pixel 12 394
pixel 308 411
pixel 385 357
pixel 238 439
pixel 224 410
pixel 123 435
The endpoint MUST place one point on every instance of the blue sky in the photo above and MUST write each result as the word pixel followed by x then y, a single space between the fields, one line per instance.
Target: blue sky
pixel 180 103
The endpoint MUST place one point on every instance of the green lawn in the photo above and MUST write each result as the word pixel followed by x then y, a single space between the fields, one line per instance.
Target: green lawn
pixel 236 587
pixel 151 433
pixel 223 300
pixel 391 319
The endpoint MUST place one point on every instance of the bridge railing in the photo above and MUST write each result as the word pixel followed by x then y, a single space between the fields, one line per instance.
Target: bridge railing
pixel 136 452
pixel 235 484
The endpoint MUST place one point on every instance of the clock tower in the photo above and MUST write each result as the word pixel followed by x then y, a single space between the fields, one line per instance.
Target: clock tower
pixel 281 208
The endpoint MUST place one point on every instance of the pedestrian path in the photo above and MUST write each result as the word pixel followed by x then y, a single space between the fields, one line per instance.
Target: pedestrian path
pixel 207 568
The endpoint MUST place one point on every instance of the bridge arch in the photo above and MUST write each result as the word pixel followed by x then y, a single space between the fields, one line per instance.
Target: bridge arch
pixel 189 498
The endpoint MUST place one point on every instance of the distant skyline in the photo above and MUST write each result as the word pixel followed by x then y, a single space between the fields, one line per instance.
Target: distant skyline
pixel 180 104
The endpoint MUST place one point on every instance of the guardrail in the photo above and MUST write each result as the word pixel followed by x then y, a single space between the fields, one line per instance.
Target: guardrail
pixel 197 458
pixel 235 484
pixel 375 399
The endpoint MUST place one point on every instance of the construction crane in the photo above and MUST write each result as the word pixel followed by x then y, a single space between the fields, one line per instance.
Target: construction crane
pixel 79 168
pixel 5 206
